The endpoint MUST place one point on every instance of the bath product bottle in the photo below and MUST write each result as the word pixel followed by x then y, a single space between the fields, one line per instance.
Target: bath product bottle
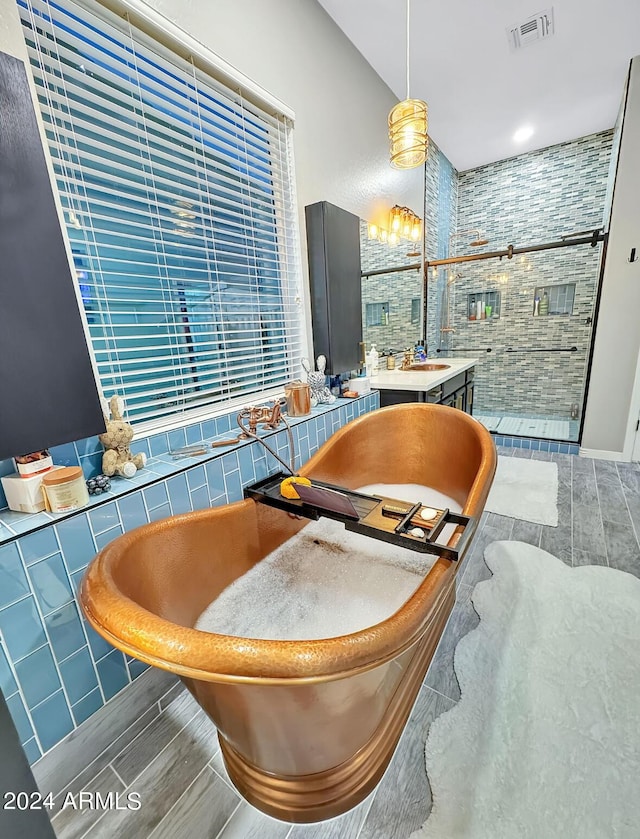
pixel 391 361
pixel 472 311
pixel 372 361
pixel 544 305
pixel 536 307
pixel 479 308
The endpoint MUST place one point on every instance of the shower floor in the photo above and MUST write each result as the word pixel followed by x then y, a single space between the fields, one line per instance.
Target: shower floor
pixel 547 428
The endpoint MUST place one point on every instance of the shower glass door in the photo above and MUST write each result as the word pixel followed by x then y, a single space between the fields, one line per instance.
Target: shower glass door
pixel 529 321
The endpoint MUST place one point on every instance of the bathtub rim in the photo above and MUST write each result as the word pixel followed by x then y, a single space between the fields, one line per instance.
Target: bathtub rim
pixel 318 673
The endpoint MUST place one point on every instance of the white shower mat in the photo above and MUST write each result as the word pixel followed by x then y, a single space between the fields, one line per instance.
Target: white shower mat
pixel 525 489
pixel 545 741
pixel 325 581
pixel 490 423
pixel 524 427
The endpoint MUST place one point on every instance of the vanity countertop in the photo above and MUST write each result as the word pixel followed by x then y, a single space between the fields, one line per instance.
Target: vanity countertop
pixel 421 380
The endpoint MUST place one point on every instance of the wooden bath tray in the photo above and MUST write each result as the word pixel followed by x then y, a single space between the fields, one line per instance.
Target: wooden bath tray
pixel 377 516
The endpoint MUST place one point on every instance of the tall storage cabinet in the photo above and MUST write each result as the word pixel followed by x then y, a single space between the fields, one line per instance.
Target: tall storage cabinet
pixel 48 391
pixel 333 244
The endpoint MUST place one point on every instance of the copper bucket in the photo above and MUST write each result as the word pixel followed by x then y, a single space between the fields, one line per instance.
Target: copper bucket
pixel 298 396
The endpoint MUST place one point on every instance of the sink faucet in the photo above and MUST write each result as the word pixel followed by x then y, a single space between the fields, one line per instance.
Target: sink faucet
pixel 407 360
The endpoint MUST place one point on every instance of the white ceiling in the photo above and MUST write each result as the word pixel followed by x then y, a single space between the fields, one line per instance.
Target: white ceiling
pixel 478 90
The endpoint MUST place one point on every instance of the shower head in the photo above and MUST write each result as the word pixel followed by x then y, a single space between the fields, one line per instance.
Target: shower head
pixel 477 241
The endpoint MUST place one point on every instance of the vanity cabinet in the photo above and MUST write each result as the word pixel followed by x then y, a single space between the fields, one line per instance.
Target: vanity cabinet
pixel 456 392
pixel 333 246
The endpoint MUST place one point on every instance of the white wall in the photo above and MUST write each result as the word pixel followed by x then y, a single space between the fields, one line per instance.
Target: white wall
pixel 612 406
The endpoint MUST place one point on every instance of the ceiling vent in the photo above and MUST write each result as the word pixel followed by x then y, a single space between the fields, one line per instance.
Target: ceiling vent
pixel 535 28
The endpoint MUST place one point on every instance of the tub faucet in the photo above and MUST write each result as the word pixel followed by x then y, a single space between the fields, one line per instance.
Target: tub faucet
pixel 269 415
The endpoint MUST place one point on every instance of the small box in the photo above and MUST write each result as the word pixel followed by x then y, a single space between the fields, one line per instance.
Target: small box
pixel 24 494
pixel 361 385
pixel 33 464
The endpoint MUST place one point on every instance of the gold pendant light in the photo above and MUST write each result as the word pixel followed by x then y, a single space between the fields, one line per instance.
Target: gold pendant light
pixel 408 125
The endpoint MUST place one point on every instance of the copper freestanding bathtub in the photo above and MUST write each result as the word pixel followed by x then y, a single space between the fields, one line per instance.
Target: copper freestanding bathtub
pixel 306 728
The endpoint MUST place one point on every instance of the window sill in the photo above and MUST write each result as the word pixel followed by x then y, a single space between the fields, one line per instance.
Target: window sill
pixel 13 525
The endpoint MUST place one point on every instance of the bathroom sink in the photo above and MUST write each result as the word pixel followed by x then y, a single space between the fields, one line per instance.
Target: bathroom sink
pixel 428 366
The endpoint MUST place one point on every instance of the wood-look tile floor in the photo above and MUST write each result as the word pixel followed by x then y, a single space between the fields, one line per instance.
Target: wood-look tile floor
pixel 175 764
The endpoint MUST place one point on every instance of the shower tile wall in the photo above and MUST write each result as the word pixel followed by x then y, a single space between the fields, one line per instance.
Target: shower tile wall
pixel 55 671
pixel 534 198
pixel 399 290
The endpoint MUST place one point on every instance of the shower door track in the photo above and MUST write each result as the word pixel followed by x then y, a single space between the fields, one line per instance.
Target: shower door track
pixel 510 251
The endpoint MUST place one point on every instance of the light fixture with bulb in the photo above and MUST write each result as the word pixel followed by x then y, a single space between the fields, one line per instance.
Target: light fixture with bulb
pixel 523 134
pixel 408 124
pixel 403 224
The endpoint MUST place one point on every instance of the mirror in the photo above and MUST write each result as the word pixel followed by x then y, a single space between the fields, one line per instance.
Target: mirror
pixel 392 306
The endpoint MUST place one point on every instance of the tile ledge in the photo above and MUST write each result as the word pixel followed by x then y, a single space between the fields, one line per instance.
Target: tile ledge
pixel 147 477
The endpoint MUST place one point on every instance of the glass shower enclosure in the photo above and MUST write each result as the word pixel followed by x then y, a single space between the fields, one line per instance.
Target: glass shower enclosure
pixel 528 318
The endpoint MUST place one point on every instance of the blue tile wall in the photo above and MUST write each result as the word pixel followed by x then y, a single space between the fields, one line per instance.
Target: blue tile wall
pixel 88 705
pixel 13 580
pixel 55 670
pixel 536 444
pixel 52 720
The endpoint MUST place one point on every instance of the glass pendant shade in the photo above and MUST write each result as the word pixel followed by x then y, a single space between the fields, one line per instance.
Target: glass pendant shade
pixel 395 219
pixel 407 220
pixel 408 126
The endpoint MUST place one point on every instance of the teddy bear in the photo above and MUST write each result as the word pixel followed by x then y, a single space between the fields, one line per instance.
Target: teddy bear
pixel 118 459
pixel 319 391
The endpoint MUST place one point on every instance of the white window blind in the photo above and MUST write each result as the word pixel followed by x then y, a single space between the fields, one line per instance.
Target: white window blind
pixel 179 207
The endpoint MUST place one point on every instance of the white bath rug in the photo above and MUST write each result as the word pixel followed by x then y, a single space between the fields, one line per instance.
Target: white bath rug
pixel 325 581
pixel 545 741
pixel 525 489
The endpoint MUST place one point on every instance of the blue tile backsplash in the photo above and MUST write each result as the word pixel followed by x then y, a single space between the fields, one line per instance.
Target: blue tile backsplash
pixel 55 670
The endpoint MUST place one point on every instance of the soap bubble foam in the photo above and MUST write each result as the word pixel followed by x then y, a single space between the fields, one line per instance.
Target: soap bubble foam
pixel 325 581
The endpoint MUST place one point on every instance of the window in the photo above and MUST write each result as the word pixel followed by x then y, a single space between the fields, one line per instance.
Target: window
pixel 377 314
pixel 415 309
pixel 177 198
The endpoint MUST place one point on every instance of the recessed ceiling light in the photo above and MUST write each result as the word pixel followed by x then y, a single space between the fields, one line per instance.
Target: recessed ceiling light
pixel 523 134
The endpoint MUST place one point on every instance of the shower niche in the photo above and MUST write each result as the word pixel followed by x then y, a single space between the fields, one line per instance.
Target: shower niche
pixel 483 305
pixel 559 299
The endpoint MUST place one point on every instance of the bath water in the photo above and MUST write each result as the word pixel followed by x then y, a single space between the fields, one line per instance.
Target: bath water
pixel 325 581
